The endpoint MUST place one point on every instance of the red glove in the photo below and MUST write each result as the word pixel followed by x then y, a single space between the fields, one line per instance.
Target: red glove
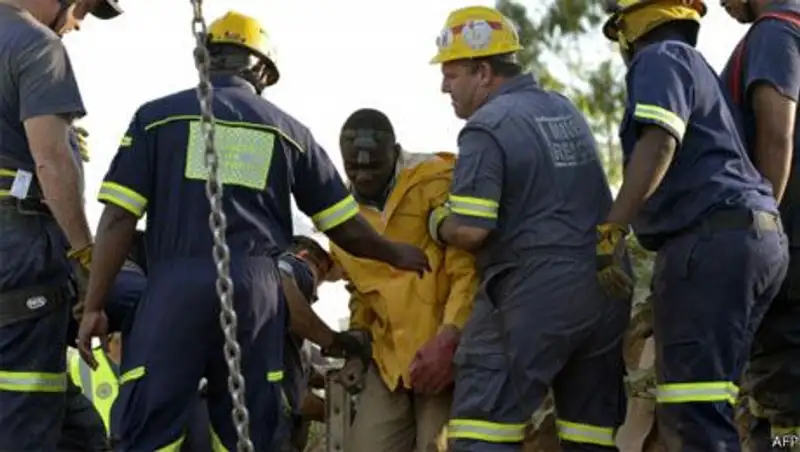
pixel 432 368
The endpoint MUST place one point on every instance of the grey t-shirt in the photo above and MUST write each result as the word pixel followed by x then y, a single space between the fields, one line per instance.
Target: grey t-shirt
pixel 36 79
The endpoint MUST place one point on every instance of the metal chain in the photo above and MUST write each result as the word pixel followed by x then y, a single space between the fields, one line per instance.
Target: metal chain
pixel 218 224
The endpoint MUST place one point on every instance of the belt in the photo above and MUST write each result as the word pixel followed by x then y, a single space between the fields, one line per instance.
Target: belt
pixel 737 219
pixel 25 206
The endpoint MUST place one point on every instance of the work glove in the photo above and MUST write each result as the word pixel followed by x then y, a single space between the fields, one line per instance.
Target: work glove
pixel 357 347
pixel 81 260
pixel 435 219
pixel 610 252
pixel 81 136
pixel 432 368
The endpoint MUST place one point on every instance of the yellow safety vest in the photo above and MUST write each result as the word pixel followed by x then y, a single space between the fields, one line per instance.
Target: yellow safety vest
pixel 99 386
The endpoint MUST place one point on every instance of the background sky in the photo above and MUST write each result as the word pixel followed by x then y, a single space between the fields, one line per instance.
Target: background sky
pixel 334 58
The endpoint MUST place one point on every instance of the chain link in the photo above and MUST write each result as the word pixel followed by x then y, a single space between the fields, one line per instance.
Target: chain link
pixel 218 225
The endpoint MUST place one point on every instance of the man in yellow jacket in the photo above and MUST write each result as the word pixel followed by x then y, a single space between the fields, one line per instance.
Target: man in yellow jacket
pixel 414 322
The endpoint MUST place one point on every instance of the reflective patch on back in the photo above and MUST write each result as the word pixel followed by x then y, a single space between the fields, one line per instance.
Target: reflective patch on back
pixel 245 155
pixel 569 142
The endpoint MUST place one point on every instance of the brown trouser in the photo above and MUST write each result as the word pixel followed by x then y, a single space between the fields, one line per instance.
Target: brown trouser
pixel 397 421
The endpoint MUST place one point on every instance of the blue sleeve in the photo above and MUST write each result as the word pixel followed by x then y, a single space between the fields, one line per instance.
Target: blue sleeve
pixel 773 57
pixel 129 179
pixel 47 84
pixel 478 180
pixel 319 190
pixel 661 91
pixel 298 270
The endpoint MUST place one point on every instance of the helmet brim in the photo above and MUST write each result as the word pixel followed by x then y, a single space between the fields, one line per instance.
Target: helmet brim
pixel 107 9
pixel 611 30
pixel 274 73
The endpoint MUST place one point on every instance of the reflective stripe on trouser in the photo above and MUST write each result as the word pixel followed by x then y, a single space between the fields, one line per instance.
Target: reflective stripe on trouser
pixel 786 431
pixel 152 408
pixel 703 317
pixel 490 432
pixel 509 358
pixel 709 391
pixel 32 381
pixel 33 403
pixel 585 433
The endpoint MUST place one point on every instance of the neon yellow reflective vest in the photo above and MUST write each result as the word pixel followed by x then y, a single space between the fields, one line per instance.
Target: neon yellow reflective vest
pixel 99 386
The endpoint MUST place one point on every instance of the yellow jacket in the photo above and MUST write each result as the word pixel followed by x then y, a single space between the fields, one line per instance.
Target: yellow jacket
pixel 402 311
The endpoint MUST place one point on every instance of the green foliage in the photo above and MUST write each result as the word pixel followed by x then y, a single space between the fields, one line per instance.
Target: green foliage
pixel 555 49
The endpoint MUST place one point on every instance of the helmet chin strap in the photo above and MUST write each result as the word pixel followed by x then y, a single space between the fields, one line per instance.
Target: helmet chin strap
pixel 64 6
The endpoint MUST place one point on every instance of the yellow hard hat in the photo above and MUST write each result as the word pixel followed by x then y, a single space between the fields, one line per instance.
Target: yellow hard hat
pixel 246 32
pixel 475 32
pixel 632 19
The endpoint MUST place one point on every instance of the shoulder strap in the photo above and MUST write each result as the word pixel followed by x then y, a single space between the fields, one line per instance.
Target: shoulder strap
pixel 736 75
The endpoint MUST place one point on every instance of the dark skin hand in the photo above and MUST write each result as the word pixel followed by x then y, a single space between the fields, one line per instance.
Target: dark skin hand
pixel 114 238
pixel 357 237
pixel 651 158
pixel 316 380
pixel 304 322
pixel 467 238
pixel 774 143
pixel 313 408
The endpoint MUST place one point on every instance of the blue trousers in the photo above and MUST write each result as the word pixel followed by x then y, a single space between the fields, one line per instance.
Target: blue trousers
pixel 711 292
pixel 176 340
pixel 540 324
pixel 32 351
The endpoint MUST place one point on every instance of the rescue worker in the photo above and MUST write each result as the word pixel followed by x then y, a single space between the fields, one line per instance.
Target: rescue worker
pixel 90 393
pixel 40 99
pixel 692 195
pixel 763 78
pixel 303 268
pixel 266 156
pixel 414 324
pixel 527 193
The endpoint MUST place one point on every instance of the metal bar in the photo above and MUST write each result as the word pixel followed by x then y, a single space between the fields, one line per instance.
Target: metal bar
pixel 338 410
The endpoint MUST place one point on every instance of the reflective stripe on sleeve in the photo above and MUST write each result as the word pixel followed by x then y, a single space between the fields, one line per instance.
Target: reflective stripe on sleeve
pixel 661 116
pixel 336 214
pixel 710 391
pixel 33 381
pixel 122 197
pixel 576 432
pixel 275 376
pixel 490 432
pixel 474 207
